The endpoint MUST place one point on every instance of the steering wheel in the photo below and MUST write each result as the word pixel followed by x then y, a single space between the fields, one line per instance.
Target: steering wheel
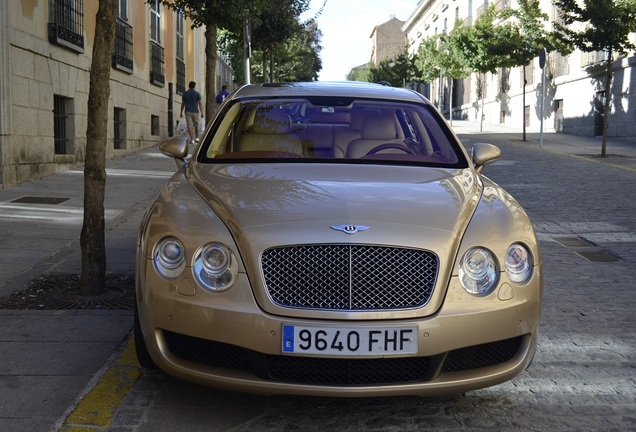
pixel 387 146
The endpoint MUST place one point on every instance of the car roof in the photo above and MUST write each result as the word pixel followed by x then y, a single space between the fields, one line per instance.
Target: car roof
pixel 354 89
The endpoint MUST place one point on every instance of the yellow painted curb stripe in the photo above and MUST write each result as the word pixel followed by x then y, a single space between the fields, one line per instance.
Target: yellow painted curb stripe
pixel 96 409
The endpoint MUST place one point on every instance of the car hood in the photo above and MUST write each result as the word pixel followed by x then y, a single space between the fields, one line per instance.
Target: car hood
pixel 266 205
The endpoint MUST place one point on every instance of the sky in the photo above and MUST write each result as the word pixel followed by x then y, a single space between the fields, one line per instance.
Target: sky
pixel 346 27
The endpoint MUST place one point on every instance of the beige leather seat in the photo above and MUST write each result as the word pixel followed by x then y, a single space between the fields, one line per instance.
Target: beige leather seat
pixel 271 131
pixel 343 134
pixel 377 129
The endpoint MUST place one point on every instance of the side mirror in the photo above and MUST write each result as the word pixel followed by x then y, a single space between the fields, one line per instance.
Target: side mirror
pixel 484 153
pixel 175 147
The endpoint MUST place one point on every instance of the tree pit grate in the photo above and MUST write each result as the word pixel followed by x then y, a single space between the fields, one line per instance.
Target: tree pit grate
pixel 62 292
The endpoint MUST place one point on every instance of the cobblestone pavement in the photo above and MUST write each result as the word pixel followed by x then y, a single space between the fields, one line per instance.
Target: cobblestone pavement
pixel 584 373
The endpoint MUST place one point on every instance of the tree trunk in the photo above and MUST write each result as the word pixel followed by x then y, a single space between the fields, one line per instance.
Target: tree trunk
pixel 481 120
pixel 92 238
pixel 271 66
pixel 264 66
pixel 451 101
pixel 210 70
pixel 524 103
pixel 606 104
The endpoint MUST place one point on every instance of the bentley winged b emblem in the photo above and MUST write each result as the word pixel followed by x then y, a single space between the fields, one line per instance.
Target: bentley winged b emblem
pixel 349 229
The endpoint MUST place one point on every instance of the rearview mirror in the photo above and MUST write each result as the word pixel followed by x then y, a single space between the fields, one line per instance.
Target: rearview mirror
pixel 484 153
pixel 175 147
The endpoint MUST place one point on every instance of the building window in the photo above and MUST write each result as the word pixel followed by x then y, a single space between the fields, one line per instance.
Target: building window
pixel 558 116
pixel 119 135
pixel 155 21
pixel 154 125
pixel 504 80
pixel 122 10
pixel 501 4
pixel 560 65
pixel 66 24
pixel 123 52
pixel 180 52
pixel 62 110
pixel 157 73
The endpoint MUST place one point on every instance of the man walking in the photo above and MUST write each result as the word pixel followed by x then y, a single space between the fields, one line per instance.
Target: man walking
pixel 222 95
pixel 191 102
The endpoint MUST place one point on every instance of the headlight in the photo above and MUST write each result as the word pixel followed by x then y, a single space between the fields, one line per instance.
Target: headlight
pixel 215 267
pixel 169 257
pixel 518 263
pixel 478 271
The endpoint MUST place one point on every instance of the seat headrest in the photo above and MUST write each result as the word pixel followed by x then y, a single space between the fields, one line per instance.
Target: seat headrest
pixel 357 119
pixel 378 127
pixel 271 121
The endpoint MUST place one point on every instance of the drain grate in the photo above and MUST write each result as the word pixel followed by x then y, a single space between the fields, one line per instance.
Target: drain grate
pixel 40 200
pixel 586 249
pixel 598 256
pixel 574 242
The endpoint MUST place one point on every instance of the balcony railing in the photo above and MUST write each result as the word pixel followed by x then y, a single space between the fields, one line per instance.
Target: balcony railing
pixel 123 51
pixel 180 77
pixel 157 73
pixel 67 26
pixel 593 58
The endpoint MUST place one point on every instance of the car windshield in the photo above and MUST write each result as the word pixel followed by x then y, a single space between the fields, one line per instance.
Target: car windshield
pixel 339 130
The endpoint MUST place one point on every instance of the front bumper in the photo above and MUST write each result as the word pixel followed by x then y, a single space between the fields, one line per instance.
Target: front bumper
pixel 227 341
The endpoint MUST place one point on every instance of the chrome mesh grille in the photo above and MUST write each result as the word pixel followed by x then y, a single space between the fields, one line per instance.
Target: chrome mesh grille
pixel 349 277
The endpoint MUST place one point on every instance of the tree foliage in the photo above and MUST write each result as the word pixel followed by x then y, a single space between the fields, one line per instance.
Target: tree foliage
pixel 530 37
pixel 278 39
pixel 299 58
pixel 598 25
pixel 214 15
pixel 487 45
pixel 396 72
pixel 275 26
pixel 359 73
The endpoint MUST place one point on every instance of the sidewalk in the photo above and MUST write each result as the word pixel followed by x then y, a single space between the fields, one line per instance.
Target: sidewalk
pixel 621 152
pixel 49 359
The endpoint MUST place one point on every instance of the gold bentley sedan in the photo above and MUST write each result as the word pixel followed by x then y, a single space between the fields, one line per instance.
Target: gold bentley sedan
pixel 335 239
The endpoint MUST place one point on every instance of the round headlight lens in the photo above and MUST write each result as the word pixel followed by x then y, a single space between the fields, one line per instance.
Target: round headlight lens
pixel 169 257
pixel 478 271
pixel 518 263
pixel 215 267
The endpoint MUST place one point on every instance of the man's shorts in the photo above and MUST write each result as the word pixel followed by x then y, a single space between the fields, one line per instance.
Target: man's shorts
pixel 192 120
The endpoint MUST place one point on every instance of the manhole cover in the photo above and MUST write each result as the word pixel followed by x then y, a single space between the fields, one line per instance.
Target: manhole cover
pixel 599 256
pixel 39 200
pixel 574 242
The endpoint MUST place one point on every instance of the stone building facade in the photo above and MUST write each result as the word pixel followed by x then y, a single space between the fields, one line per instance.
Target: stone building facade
pixel 573 96
pixel 388 41
pixel 45 59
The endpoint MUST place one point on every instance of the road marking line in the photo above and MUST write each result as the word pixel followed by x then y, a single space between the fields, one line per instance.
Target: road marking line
pixel 96 409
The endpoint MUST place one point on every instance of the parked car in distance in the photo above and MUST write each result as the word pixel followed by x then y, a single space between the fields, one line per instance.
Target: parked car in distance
pixel 335 239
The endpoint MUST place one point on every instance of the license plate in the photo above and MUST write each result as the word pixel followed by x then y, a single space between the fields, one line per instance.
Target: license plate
pixel 354 341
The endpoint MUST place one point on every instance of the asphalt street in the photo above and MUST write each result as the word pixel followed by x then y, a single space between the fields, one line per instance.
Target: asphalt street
pixel 76 371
